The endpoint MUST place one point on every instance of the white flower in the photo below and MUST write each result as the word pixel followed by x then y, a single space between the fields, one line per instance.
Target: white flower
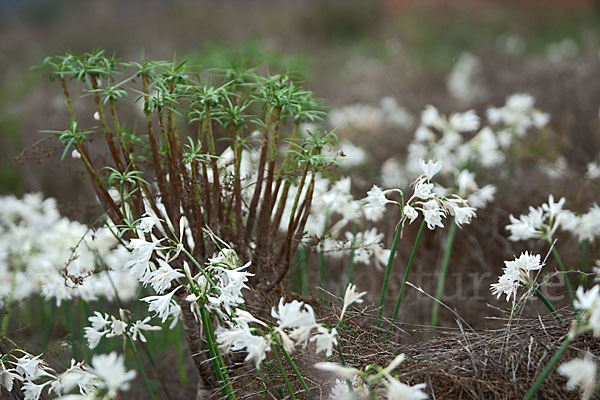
pixel 110 368
pixel 163 305
pixel 410 213
pixel 32 390
pixel 161 278
pixel 139 265
pixel 375 203
pixel 32 368
pixel 551 208
pixel 431 167
pixel 93 336
pixel 142 325
pixel 351 296
pixel 344 372
pixel 147 223
pixel 432 213
pixel 580 372
pixel 515 272
pixel 117 328
pixel 506 285
pixel 293 315
pixel 400 391
pixel 461 212
pixel 422 189
pixel 325 340
pixel 7 376
pixel 587 300
pixel 99 321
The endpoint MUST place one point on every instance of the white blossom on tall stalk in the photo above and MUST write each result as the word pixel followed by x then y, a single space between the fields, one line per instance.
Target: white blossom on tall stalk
pixel 541 222
pixel 432 201
pixel 516 272
pixel 350 297
pixel 164 306
pixel 102 326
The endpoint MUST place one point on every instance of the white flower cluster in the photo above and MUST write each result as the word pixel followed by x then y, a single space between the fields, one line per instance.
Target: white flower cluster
pixel 383 383
pixel 516 117
pixel 589 302
pixel 296 325
pixel 364 118
pixel 103 325
pixel 38 248
pixel 465 81
pixel 459 140
pixel 542 221
pixel 432 205
pixel 105 378
pixel 516 272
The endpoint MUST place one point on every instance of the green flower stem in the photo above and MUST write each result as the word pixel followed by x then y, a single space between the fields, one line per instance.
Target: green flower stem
pixel 70 330
pixel 388 271
pixel 563 269
pixel 548 368
pixel 48 326
pixel 544 300
pixel 439 290
pixel 284 375
pixel 352 263
pixel 322 257
pixel 212 353
pixel 295 368
pixel 584 262
pixel 302 262
pixel 226 380
pixel 141 367
pixel 408 268
pixel 183 378
pixel 9 302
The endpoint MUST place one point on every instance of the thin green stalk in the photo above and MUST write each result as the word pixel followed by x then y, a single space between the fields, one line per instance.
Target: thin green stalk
pixel 388 271
pixel 302 262
pixel 70 330
pixel 563 269
pixel 48 327
pixel 439 290
pixel 9 303
pixel 212 353
pixel 584 262
pixel 544 300
pixel 408 267
pixel 84 313
pixel 141 367
pixel 322 257
pixel 352 263
pixel 183 378
pixel 283 373
pixel 226 380
pixel 295 368
pixel 548 368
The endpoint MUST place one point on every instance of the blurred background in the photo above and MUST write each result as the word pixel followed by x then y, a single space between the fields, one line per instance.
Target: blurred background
pixel 347 52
